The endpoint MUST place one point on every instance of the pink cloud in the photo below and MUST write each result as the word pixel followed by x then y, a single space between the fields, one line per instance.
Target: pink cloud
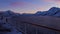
pixel 52 0
pixel 14 4
pixel 58 1
pixel 48 0
pixel 22 4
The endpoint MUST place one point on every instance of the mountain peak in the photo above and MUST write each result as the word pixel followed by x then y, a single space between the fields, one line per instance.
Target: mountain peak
pixel 51 12
pixel 54 8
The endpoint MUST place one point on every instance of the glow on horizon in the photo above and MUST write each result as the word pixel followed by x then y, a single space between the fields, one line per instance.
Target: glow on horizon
pixel 28 6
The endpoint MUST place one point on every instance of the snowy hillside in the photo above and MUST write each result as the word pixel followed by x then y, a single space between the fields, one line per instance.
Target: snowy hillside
pixel 54 11
pixel 5 27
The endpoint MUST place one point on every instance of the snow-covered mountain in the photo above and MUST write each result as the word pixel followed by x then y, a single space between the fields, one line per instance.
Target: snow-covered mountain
pixel 41 13
pixel 54 11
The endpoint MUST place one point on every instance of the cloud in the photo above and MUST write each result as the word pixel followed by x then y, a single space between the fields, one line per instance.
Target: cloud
pixel 48 0
pixel 57 2
pixel 22 4
pixel 14 4
pixel 52 0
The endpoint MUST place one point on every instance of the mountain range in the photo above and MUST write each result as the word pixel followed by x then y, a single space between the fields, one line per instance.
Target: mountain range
pixel 54 11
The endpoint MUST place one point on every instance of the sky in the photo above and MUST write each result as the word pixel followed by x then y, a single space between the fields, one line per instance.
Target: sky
pixel 28 6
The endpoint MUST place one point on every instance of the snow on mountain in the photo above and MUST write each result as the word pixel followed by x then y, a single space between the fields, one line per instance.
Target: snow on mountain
pixel 41 13
pixel 54 11
pixel 8 13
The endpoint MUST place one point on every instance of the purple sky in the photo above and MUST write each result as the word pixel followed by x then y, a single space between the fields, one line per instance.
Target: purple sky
pixel 28 6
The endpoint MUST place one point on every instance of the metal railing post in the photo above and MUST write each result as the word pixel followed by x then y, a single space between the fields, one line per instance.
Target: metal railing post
pixel 36 30
pixel 25 29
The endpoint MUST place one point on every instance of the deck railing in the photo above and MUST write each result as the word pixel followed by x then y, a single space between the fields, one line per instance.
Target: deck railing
pixel 25 27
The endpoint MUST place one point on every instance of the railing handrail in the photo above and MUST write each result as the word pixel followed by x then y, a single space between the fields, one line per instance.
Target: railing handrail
pixel 41 26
